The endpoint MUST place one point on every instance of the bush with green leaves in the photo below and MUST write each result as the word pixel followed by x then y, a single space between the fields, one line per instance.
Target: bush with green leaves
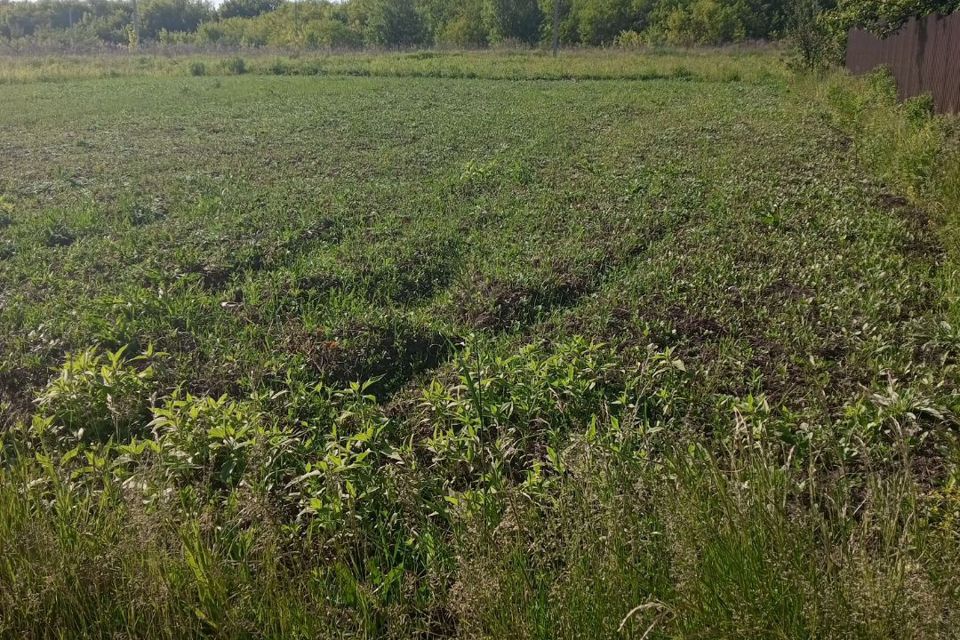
pixel 206 440
pixel 630 40
pixel 505 416
pixel 812 45
pixel 98 396
pixel 236 65
pixel 348 489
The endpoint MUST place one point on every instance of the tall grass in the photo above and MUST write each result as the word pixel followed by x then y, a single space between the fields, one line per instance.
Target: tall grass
pixel 687 543
pixel 89 563
pixel 706 547
pixel 913 152
pixel 903 143
pixel 720 65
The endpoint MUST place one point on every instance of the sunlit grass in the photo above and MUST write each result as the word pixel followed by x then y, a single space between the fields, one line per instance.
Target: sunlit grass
pixel 436 345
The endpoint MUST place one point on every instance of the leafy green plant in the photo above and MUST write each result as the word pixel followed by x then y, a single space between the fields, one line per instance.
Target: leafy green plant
pixel 206 438
pixel 6 212
pixel 236 66
pixel 813 46
pixel 906 144
pixel 344 487
pixel 99 396
pixel 59 235
pixel 508 416
pixel 630 40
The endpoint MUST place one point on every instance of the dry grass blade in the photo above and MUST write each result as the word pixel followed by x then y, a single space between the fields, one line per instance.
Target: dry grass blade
pixel 653 604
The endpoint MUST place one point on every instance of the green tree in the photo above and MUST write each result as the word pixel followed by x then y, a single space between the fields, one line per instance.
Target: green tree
pixel 247 8
pixel 600 21
pixel 171 15
pixel 394 23
pixel 464 26
pixel 810 41
pixel 518 20
pixel 705 22
pixel 885 16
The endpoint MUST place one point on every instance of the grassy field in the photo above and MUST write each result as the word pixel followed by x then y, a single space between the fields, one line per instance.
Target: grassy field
pixel 475 345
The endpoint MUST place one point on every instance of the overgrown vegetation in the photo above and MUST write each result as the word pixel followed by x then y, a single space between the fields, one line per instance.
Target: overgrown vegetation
pixel 748 64
pixel 319 24
pixel 668 356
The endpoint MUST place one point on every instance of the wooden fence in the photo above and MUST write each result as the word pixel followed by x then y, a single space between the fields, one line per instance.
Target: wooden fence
pixel 924 57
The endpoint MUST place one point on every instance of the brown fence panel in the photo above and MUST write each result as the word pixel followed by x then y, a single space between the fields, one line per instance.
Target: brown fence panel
pixel 924 57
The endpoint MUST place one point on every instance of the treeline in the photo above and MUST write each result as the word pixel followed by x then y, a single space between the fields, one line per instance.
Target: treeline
pixel 456 23
pixel 481 23
pixel 395 23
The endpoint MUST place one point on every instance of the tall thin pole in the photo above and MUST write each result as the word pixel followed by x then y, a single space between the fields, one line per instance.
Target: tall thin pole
pixel 136 24
pixel 556 27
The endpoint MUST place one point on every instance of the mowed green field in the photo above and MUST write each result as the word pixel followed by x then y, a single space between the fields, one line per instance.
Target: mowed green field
pixel 628 342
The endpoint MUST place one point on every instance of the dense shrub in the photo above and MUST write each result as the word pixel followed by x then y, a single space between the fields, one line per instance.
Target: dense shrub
pixel 629 40
pixel 171 16
pixel 205 438
pixel 813 46
pixel 98 396
pixel 507 413
pixel 236 65
pixel 818 28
